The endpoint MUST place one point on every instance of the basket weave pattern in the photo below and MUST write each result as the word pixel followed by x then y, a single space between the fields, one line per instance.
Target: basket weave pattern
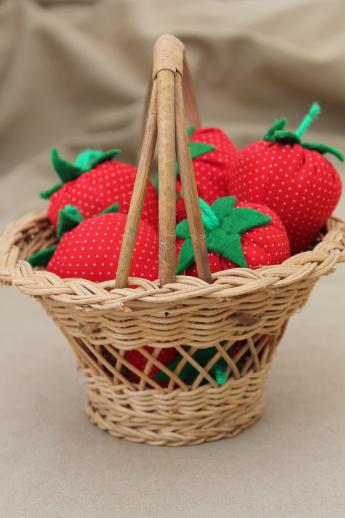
pixel 101 322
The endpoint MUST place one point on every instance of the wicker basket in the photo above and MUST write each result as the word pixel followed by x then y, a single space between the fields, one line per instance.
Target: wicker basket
pixel 102 321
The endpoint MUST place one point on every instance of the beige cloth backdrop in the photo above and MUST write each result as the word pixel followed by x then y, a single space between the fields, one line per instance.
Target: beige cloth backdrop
pixel 74 74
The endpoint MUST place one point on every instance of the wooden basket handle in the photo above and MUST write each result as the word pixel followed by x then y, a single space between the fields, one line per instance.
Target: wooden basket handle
pixel 166 126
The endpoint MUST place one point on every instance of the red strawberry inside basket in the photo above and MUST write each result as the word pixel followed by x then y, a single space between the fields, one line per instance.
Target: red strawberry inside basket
pixel 90 248
pixel 214 156
pixel 238 234
pixel 291 176
pixel 93 182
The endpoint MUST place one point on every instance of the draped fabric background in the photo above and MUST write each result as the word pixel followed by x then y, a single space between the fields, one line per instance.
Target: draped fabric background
pixel 73 75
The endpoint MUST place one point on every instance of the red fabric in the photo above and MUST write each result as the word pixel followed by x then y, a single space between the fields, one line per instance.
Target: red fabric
pixel 301 185
pixel 265 245
pixel 108 183
pixel 91 250
pixel 139 361
pixel 211 169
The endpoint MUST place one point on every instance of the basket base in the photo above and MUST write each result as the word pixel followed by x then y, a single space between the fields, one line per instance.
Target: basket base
pixel 177 418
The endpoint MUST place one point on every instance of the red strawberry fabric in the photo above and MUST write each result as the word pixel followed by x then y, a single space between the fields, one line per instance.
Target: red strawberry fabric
pixel 212 162
pixel 138 360
pixel 91 250
pixel 293 178
pixel 237 235
pixel 93 183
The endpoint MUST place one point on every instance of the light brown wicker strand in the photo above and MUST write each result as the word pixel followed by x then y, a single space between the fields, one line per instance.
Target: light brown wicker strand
pixel 186 172
pixel 139 191
pixel 189 96
pixel 166 176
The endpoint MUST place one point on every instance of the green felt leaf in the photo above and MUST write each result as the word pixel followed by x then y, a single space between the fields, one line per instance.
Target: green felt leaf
pixel 286 137
pixel 278 124
pixel 182 229
pixel 244 219
pixel 323 149
pixel 197 149
pixel 223 207
pixel 200 148
pixel 111 209
pixel 103 156
pixel 186 256
pixel 42 257
pixel 225 245
pixel 68 218
pixel 66 171
pixel 155 182
pixel 191 130
pixel 45 195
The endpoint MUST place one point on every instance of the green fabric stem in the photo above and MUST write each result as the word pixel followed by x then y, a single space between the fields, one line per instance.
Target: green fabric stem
pixel 209 218
pixel 223 239
pixel 68 171
pixel 42 257
pixel 314 111
pixel 277 133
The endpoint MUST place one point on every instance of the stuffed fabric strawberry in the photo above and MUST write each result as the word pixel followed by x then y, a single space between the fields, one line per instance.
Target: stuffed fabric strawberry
pixel 214 156
pixel 91 250
pixel 93 182
pixel 292 177
pixel 247 235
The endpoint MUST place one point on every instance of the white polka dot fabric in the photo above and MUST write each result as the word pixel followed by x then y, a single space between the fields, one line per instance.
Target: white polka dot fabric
pixel 108 183
pixel 212 169
pixel 92 249
pixel 301 185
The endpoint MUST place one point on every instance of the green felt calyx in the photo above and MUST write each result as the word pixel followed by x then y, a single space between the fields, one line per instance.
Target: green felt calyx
pixel 278 133
pixel 198 149
pixel 68 171
pixel 42 257
pixel 224 225
pixel 70 217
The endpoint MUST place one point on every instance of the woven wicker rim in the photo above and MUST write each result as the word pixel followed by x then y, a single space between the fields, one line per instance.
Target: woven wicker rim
pixel 100 296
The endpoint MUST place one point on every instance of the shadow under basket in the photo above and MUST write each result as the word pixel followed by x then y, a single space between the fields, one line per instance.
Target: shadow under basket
pixel 233 319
